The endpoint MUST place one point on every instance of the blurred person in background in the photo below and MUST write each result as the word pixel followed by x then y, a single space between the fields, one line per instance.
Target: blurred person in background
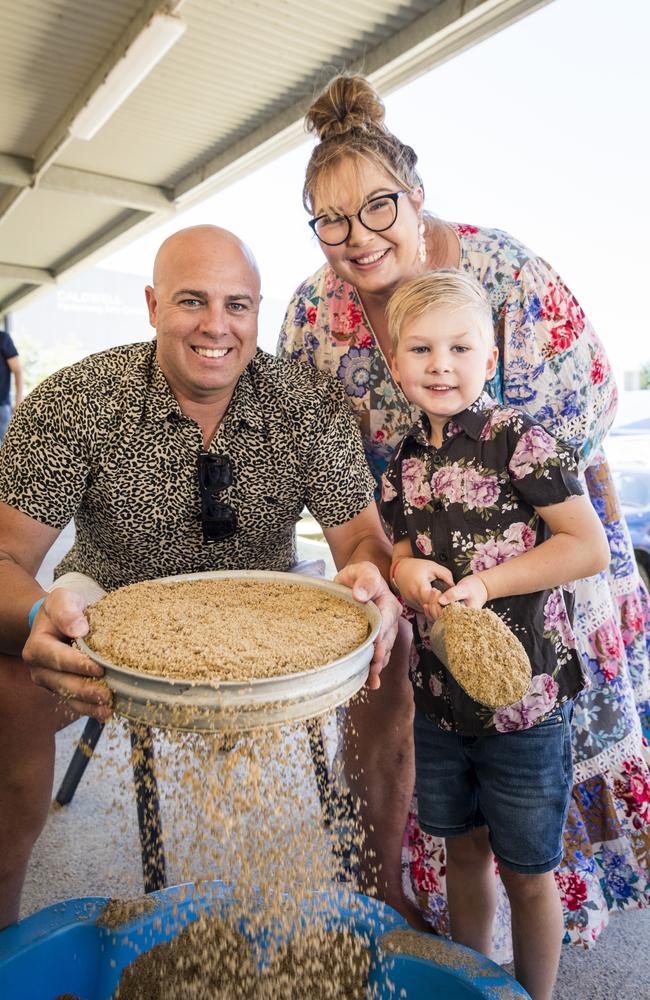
pixel 9 365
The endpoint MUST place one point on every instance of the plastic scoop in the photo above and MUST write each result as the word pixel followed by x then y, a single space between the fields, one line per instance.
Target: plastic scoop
pixel 481 653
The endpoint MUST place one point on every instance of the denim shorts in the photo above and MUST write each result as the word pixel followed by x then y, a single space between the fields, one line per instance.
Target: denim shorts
pixel 519 784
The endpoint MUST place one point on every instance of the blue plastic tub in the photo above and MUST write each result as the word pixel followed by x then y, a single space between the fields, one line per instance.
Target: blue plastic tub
pixel 61 950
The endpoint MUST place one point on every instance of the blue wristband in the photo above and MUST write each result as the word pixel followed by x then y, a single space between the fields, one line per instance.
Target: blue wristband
pixel 33 611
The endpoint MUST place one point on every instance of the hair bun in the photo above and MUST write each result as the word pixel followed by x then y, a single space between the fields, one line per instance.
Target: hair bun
pixel 348 102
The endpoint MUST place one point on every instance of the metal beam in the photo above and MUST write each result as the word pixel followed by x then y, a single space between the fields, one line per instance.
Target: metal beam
pixel 128 227
pixel 16 171
pixel 113 190
pixel 59 136
pixel 30 275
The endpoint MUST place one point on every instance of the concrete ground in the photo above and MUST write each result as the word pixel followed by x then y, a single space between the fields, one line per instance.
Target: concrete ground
pixel 91 847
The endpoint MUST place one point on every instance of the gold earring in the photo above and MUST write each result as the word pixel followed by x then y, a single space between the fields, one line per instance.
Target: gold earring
pixel 422 244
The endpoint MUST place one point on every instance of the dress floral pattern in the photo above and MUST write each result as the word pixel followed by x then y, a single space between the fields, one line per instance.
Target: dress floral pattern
pixel 552 365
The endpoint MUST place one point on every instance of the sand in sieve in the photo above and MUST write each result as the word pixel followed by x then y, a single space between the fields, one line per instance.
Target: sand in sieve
pixel 223 630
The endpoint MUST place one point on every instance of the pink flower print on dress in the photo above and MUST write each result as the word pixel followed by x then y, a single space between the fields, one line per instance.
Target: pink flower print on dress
pixel 635 792
pixel 417 492
pixel 533 451
pixel 556 619
pixel 354 315
pixel 388 491
pixel 480 491
pixel 597 370
pixel 632 617
pixel 449 483
pixel 561 339
pixel 423 543
pixel 610 652
pixel 538 701
pixel 560 304
pixel 572 888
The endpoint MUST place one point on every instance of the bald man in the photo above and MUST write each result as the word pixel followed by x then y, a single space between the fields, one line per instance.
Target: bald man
pixel 193 452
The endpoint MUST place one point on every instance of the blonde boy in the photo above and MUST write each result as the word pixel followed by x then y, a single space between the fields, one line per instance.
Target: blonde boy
pixel 480 496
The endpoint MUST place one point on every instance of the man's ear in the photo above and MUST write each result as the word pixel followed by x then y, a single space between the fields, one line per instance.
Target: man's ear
pixel 152 305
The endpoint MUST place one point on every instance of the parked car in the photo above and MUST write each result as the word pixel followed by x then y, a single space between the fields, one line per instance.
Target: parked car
pixel 629 459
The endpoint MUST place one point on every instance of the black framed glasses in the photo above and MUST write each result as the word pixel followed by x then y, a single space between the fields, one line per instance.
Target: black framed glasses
pixel 377 215
pixel 219 520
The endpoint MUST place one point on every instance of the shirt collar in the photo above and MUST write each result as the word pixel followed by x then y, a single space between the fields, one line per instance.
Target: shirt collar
pixel 244 406
pixel 471 420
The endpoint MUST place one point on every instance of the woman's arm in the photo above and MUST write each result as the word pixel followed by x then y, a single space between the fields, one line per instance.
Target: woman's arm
pixel 554 365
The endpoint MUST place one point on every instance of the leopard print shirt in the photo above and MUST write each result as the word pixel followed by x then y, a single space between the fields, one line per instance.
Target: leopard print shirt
pixel 105 442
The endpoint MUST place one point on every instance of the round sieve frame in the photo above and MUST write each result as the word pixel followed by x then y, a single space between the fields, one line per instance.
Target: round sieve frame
pixel 239 706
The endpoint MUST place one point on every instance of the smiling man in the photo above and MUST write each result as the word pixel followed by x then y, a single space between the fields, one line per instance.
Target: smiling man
pixel 192 452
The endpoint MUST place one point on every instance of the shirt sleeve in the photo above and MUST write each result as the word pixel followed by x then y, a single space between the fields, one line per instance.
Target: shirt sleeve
pixel 7 346
pixel 391 507
pixel 554 365
pixel 294 342
pixel 44 459
pixel 543 471
pixel 339 483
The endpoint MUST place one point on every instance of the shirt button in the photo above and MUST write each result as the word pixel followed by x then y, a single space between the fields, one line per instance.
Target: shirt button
pixel 438 505
pixel 442 557
pixel 436 458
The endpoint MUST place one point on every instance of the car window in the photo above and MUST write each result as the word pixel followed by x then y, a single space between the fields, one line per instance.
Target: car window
pixel 633 487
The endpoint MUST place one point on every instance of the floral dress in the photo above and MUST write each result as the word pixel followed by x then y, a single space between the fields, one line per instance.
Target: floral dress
pixel 553 366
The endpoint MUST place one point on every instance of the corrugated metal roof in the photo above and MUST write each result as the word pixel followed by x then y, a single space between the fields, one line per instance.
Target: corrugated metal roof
pixel 228 95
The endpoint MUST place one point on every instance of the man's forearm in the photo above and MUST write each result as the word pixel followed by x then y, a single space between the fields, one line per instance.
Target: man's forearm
pixel 19 591
pixel 374 550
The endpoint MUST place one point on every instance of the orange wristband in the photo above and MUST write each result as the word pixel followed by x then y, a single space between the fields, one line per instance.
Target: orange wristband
pixel 391 576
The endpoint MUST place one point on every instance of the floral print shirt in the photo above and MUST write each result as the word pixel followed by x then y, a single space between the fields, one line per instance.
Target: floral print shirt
pixel 551 362
pixel 470 505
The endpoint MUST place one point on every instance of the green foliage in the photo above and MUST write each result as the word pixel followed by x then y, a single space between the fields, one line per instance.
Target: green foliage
pixel 38 361
pixel 644 379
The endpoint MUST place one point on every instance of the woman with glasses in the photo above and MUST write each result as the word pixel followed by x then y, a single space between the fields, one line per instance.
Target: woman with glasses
pixel 367 201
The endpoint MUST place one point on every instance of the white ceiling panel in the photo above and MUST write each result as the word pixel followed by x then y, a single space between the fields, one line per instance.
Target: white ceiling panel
pixel 226 97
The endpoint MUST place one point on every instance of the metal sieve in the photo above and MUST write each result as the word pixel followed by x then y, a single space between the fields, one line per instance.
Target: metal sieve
pixel 236 706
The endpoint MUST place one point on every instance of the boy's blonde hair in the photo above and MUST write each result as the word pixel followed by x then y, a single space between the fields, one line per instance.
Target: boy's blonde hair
pixel 445 287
